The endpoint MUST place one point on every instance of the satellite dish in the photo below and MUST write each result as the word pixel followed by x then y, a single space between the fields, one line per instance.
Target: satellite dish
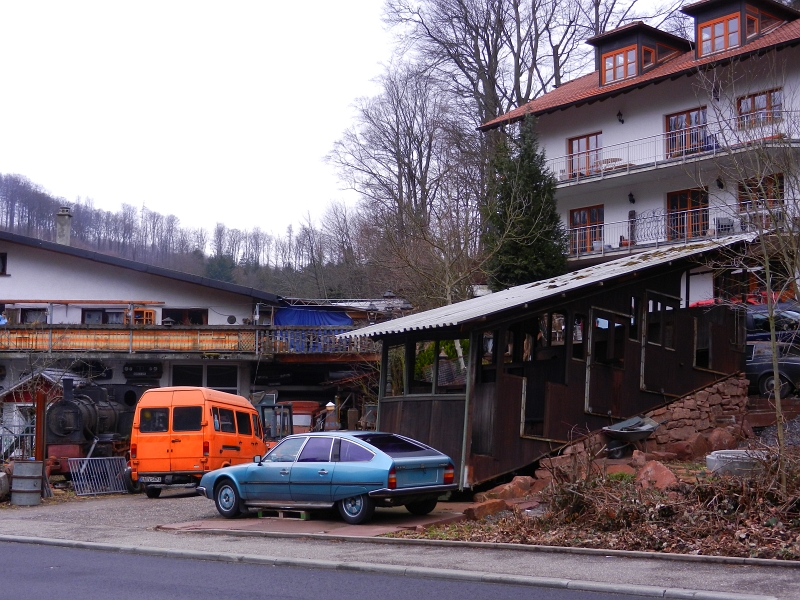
pixel 231 320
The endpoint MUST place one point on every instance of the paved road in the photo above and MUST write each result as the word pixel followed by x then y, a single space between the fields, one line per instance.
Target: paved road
pixel 68 573
pixel 131 521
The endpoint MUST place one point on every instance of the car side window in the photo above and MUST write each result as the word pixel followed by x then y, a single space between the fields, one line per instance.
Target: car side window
pixel 286 451
pixel 350 452
pixel 748 352
pixel 318 449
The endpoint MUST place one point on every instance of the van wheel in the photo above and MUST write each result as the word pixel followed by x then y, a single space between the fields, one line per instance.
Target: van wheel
pixel 227 499
pixel 357 509
pixel 152 492
pixel 422 508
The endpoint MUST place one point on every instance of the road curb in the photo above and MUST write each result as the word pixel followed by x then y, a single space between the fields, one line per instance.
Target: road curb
pixel 666 556
pixel 396 570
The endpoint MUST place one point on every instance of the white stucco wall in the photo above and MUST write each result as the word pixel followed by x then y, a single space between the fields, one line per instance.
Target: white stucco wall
pixel 38 274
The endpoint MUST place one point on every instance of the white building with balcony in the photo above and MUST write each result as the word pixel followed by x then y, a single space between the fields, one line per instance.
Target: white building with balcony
pixel 669 140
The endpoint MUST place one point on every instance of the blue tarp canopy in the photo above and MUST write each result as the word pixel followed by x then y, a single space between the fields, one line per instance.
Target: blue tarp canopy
pixel 311 317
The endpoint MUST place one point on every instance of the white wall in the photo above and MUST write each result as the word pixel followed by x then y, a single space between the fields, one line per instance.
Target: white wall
pixel 38 274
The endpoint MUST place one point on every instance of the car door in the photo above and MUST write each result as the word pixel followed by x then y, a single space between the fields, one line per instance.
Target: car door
pixel 186 441
pixel 312 472
pixel 268 481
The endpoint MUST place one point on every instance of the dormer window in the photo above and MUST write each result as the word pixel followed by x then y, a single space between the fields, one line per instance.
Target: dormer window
pixel 619 65
pixel 648 57
pixel 719 35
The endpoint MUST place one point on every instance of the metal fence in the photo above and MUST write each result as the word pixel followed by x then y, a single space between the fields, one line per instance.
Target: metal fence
pixel 17 431
pixel 94 476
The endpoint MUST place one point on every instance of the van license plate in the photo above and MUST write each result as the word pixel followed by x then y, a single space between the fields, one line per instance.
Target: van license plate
pixel 146 479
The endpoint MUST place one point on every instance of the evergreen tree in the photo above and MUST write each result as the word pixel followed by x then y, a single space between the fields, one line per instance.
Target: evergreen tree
pixel 221 268
pixel 523 206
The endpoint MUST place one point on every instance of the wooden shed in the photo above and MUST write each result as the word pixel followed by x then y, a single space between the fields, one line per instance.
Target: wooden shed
pixel 500 380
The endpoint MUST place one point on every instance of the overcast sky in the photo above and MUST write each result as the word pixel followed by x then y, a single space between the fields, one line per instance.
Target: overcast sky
pixel 211 111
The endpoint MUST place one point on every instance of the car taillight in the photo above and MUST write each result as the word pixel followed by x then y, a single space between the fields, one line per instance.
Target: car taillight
pixel 392 479
pixel 449 473
pixel 133 450
pixel 205 448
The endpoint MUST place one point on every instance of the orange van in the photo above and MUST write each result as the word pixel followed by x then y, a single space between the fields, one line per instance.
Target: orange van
pixel 180 433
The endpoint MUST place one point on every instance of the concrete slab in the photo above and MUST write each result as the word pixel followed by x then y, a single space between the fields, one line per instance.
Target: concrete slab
pixel 385 520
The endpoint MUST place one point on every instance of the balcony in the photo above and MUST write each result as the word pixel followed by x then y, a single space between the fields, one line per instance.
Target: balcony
pixel 253 342
pixel 725 137
pixel 654 228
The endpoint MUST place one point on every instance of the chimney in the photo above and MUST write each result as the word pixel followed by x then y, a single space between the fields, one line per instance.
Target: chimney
pixel 63 226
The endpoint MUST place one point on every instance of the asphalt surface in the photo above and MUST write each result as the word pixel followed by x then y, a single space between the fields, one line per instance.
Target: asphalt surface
pixel 79 574
pixel 135 524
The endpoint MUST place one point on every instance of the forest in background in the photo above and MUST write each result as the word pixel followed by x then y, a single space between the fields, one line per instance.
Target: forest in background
pixel 441 206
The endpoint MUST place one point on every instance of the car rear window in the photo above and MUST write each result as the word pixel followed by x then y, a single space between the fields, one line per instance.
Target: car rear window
pixel 154 420
pixel 187 418
pixel 396 446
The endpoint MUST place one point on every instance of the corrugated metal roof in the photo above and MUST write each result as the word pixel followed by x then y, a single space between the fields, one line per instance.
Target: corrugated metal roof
pixel 476 308
pixel 54 376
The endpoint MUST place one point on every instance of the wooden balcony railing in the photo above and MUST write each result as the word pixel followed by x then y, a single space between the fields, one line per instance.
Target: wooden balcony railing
pixel 108 338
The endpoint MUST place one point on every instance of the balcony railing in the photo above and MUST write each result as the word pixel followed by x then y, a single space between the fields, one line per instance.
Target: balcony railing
pixel 662 227
pixel 207 339
pixel 675 147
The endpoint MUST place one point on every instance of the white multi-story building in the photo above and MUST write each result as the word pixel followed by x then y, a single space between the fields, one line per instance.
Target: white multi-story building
pixel 669 140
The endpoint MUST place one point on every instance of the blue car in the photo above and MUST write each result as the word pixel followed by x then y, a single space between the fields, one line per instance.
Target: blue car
pixel 354 471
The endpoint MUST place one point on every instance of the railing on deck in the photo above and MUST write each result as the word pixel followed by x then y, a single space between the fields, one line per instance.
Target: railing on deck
pixel 270 340
pixel 675 147
pixel 662 227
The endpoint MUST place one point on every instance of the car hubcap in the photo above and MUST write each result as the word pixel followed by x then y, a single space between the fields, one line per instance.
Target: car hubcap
pixel 226 497
pixel 353 506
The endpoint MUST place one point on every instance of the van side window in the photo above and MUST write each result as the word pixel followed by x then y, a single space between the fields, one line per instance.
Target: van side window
pixel 153 420
pixel 243 423
pixel 223 420
pixel 187 418
pixel 257 427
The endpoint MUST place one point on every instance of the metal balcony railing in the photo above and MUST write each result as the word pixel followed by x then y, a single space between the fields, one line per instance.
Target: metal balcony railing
pixel 40 337
pixel 675 147
pixel 663 227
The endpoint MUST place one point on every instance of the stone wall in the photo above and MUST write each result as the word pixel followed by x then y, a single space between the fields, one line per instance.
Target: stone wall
pixel 707 420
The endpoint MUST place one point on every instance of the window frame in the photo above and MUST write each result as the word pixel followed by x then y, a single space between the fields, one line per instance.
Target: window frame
pixel 688 222
pixel 652 52
pixel 3 263
pixel 625 53
pixel 726 35
pixel 686 140
pixel 585 162
pixel 582 237
pixel 756 116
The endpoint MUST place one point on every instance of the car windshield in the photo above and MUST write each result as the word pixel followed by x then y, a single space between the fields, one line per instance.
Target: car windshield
pixel 396 446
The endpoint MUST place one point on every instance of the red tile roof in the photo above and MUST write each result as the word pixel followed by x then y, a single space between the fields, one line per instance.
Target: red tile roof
pixel 588 89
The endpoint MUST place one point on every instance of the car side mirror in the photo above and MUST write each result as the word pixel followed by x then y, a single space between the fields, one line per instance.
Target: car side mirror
pixel 257 459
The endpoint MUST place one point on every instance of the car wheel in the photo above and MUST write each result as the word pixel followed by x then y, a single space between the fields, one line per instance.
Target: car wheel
pixel 227 499
pixel 767 386
pixel 152 492
pixel 423 507
pixel 357 509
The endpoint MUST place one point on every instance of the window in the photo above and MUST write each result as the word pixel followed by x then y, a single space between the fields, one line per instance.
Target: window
pixel 3 263
pixel 396 446
pixel 578 337
pixel 586 229
pixel 223 378
pixel 187 418
pixel 669 327
pixel 223 420
pixel 318 449
pixel 719 35
pixel 761 192
pixel 185 316
pixel 351 452
pixel 99 316
pixel 687 214
pixel 584 154
pixel 702 343
pixel 751 27
pixel 664 52
pixel 286 451
pixel 557 329
pixel 686 133
pixel 608 340
pixel 257 431
pixel 648 57
pixel 31 316
pixel 243 423
pixel 654 322
pixel 633 330
pixel 619 65
pixel 153 420
pixel 761 108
